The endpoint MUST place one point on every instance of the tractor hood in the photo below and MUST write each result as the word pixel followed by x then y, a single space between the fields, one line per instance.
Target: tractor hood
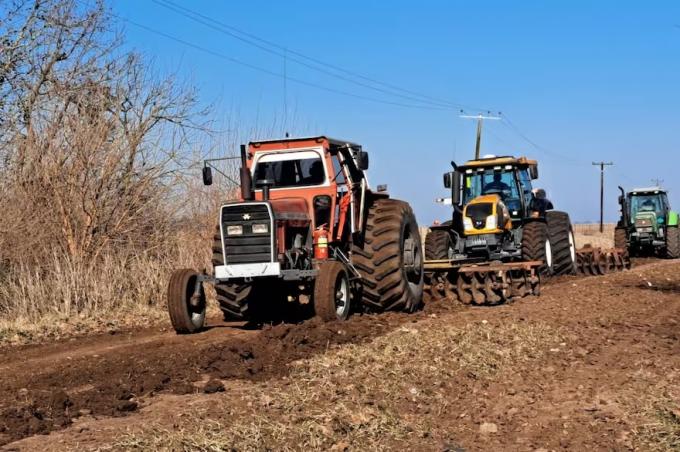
pixel 486 214
pixel 293 211
pixel 646 220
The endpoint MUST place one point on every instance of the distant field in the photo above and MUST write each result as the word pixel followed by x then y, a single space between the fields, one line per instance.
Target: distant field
pixel 590 233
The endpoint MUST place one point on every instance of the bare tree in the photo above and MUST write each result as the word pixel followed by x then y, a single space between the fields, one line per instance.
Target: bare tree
pixel 89 138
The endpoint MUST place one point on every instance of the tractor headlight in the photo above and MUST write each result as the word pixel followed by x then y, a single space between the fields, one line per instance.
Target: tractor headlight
pixel 235 230
pixel 260 228
pixel 491 222
pixel 467 223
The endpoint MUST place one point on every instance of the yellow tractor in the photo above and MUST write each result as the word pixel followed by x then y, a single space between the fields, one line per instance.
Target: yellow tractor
pixel 500 225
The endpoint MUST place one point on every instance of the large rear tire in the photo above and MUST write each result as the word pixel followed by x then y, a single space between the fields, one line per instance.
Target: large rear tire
pixel 186 315
pixel 438 244
pixel 536 245
pixel 562 243
pixel 232 297
pixel 332 292
pixel 672 242
pixel 390 258
pixel 620 240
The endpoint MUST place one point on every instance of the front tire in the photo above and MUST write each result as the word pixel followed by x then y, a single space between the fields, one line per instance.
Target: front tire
pixel 187 313
pixel 332 292
pixel 390 258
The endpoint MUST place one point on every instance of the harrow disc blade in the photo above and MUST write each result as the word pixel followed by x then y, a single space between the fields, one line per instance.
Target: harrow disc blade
pixel 478 288
pixel 463 288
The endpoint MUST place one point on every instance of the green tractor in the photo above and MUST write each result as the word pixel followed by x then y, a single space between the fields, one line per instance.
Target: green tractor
pixel 647 226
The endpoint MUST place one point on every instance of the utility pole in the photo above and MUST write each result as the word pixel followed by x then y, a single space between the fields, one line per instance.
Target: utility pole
pixel 602 165
pixel 657 182
pixel 480 118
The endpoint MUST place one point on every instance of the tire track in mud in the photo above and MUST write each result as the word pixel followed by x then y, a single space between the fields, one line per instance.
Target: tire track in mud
pixel 40 393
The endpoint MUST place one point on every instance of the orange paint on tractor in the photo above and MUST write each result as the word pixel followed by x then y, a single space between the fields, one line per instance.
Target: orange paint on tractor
pixel 295 205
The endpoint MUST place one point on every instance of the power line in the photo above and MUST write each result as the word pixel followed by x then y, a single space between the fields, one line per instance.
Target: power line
pixel 538 147
pixel 318 65
pixel 272 73
pixel 498 137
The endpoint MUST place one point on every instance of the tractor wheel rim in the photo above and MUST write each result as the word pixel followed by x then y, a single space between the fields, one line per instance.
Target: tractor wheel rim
pixel 341 295
pixel 413 271
pixel 548 254
pixel 572 246
pixel 196 313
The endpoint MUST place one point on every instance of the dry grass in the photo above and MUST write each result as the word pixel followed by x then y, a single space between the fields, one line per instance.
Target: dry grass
pixel 67 297
pixel 661 431
pixel 383 395
pixel 654 406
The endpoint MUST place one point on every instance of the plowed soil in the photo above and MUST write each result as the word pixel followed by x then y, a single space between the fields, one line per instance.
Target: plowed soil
pixel 571 396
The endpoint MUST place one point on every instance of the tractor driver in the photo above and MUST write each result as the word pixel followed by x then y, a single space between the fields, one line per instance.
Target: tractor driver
pixel 315 174
pixel 497 185
pixel 648 205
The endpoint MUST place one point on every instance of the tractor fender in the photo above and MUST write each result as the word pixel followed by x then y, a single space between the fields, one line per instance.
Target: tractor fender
pixel 672 218
pixel 446 226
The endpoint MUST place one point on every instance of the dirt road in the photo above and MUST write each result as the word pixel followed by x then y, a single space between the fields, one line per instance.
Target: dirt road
pixel 592 363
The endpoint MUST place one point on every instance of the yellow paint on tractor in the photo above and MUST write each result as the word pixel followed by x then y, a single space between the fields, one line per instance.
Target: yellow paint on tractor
pixel 495 223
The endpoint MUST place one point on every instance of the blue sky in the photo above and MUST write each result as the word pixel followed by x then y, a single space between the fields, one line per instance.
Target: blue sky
pixel 584 80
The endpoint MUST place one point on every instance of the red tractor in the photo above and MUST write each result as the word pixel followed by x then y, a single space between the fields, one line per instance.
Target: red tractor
pixel 308 233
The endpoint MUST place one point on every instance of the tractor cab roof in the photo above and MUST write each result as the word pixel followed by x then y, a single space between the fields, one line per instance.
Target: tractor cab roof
pixel 646 191
pixel 294 142
pixel 492 160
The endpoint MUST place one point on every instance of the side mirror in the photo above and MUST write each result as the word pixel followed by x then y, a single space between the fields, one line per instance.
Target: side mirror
pixel 447 180
pixel 362 160
pixel 533 172
pixel 455 187
pixel 207 175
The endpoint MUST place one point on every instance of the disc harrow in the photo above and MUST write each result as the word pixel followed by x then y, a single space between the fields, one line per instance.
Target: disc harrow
pixel 598 261
pixel 482 284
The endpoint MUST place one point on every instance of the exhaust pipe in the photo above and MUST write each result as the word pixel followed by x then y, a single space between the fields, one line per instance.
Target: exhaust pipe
pixel 246 178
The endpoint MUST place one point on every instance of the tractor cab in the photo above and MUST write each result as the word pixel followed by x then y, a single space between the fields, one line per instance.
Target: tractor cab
pixel 508 178
pixel 648 207
pixel 318 179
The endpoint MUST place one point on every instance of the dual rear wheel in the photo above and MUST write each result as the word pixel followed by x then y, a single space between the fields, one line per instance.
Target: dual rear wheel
pixel 552 242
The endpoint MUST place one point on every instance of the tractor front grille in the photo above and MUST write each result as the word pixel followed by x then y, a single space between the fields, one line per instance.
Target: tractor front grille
pixel 247 247
pixel 478 213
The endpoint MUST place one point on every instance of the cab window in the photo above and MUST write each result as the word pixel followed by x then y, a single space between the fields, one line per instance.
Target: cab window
pixel 291 169
pixel 493 181
pixel 338 174
pixel 525 182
